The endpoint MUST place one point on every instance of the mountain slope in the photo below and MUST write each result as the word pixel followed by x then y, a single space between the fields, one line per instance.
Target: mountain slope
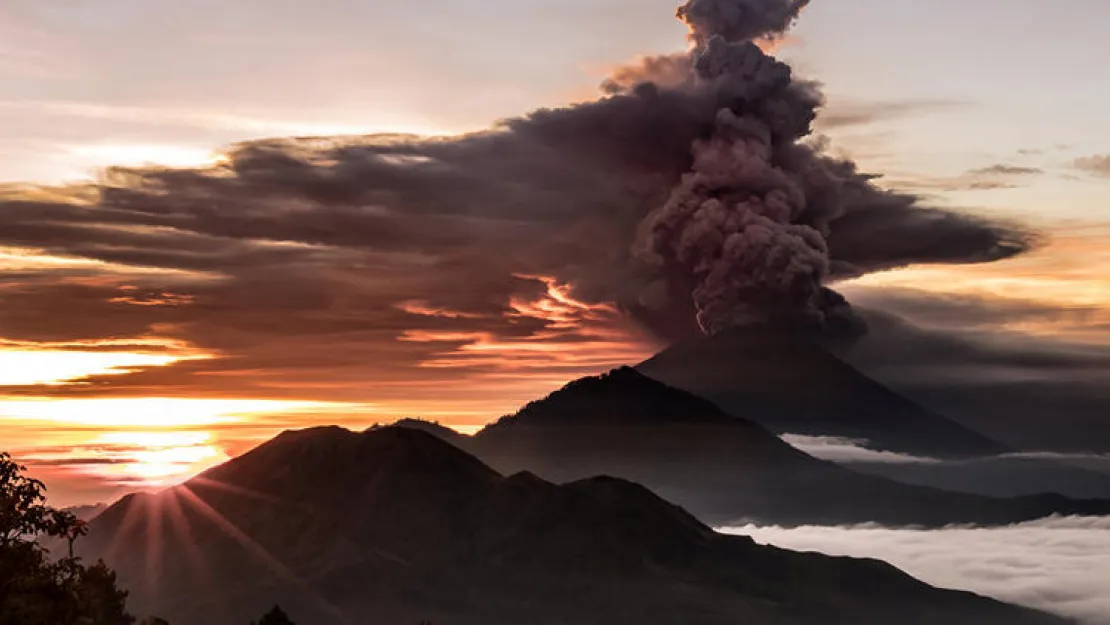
pixel 394 526
pixel 790 385
pixel 720 467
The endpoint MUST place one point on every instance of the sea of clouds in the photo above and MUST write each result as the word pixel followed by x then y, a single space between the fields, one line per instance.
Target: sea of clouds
pixel 1059 565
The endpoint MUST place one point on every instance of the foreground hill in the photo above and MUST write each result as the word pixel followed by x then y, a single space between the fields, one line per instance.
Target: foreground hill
pixel 722 468
pixel 791 385
pixel 394 527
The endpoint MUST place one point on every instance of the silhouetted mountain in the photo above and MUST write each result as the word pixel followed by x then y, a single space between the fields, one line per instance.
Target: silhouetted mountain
pixel 720 467
pixel 791 385
pixel 87 512
pixel 394 526
pixel 431 427
pixel 997 476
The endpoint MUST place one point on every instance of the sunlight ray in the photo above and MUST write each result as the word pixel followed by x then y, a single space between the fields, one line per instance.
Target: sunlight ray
pixel 257 550
pixel 155 543
pixel 183 530
pixel 131 519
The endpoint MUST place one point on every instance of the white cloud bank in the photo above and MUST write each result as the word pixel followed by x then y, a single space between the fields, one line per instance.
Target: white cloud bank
pixel 849 450
pixel 855 451
pixel 1059 565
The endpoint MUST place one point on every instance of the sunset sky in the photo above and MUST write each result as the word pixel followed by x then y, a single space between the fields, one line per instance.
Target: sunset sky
pixel 135 354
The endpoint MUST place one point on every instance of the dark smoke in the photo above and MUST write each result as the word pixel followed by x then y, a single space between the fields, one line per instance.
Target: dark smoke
pixel 739 20
pixel 749 225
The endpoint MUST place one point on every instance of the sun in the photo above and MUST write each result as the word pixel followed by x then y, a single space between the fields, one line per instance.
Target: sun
pixel 168 457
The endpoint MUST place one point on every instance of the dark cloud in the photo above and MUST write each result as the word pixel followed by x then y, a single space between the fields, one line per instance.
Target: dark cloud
pixel 76 462
pixel 971 312
pixel 739 20
pixel 957 358
pixel 668 71
pixel 748 230
pixel 1096 165
pixel 298 261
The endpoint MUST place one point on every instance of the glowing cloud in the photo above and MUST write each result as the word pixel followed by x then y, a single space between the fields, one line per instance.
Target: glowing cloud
pixel 149 412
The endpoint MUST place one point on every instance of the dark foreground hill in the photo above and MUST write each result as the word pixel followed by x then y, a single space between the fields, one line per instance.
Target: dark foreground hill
pixel 394 527
pixel 791 385
pixel 719 467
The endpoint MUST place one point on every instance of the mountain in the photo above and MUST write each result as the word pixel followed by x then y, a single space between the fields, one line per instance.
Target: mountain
pixel 998 476
pixel 87 512
pixel 791 385
pixel 394 526
pixel 720 467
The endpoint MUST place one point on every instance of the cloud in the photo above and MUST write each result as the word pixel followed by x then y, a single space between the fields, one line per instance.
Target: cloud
pixel 460 268
pixel 75 462
pixel 1096 165
pixel 989 178
pixel 1059 565
pixel 967 358
pixel 839 113
pixel 1052 455
pixel 849 450
pixel 357 228
pixel 971 311
pixel 1077 475
pixel 1006 170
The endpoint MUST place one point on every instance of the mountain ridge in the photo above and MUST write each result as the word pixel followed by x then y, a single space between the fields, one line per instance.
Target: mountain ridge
pixel 721 467
pixel 792 385
pixel 426 532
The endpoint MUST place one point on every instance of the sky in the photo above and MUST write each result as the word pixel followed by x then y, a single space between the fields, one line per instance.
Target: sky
pixel 134 355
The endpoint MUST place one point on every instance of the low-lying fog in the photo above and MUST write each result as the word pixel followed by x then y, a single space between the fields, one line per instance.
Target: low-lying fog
pixel 1059 565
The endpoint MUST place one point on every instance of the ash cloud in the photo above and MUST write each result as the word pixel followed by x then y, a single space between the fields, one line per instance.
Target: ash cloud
pixel 688 198
pixel 749 229
pixel 739 20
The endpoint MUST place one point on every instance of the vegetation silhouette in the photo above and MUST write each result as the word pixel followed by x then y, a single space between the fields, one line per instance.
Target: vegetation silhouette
pixel 36 589
pixel 276 616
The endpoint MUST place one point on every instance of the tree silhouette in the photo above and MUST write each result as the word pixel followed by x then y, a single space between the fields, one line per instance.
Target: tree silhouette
pixel 35 589
pixel 276 616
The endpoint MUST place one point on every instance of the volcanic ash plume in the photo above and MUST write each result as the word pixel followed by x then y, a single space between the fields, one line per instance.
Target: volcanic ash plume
pixel 747 227
pixel 739 20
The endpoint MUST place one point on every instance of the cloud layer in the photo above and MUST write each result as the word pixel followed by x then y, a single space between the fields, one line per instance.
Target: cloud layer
pixel 968 358
pixel 849 450
pixel 1058 565
pixel 556 243
pixel 1078 475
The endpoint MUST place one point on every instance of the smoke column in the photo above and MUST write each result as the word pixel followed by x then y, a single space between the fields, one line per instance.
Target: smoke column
pixel 747 227
pixel 739 20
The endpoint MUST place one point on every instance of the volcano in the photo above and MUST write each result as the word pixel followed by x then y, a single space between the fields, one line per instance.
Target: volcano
pixel 394 526
pixel 790 384
pixel 722 468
